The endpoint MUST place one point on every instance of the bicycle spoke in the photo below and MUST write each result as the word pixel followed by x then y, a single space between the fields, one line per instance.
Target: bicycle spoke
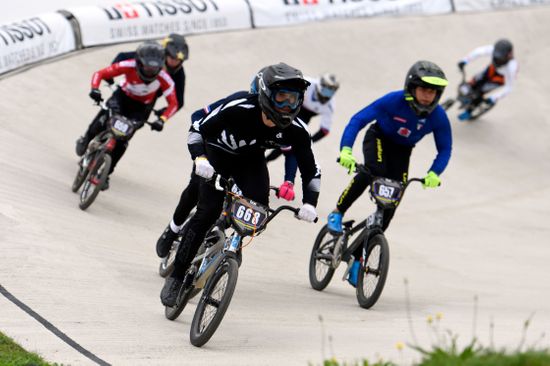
pixel 372 271
pixel 212 302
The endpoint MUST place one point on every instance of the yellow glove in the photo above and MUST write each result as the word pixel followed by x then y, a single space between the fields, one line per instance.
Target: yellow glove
pixel 347 160
pixel 431 180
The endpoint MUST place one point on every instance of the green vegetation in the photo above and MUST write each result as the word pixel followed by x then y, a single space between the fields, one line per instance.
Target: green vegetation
pixel 446 351
pixel 13 354
pixel 476 355
pixel 467 357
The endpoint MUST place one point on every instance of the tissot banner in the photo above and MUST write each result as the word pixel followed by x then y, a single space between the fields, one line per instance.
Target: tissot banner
pixel 481 5
pixel 34 39
pixel 137 20
pixel 286 12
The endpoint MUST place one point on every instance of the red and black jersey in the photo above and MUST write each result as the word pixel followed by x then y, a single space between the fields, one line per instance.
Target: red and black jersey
pixel 138 90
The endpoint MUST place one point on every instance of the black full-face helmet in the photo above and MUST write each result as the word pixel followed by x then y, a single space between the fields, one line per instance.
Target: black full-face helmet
pixel 176 47
pixel 428 75
pixel 149 60
pixel 502 52
pixel 281 93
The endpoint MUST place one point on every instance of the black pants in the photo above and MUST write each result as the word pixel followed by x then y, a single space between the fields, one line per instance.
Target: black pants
pixel 483 83
pixel 126 106
pixel 251 175
pixel 383 158
pixel 188 199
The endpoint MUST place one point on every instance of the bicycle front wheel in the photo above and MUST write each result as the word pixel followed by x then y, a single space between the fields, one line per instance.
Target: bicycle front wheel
pixel 373 272
pixel 81 175
pixel 214 302
pixel 96 179
pixel 321 269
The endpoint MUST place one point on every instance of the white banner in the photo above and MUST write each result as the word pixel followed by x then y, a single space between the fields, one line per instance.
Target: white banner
pixel 481 5
pixel 34 39
pixel 137 20
pixel 286 12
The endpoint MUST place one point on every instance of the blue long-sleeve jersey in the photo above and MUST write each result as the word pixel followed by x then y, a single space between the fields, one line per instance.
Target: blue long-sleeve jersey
pixel 401 125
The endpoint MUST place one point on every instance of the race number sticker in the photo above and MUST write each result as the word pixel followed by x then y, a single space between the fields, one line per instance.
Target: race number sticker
pixel 385 191
pixel 247 216
pixel 121 126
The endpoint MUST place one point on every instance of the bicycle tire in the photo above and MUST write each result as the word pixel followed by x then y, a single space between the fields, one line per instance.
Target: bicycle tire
pixel 375 265
pixel 80 178
pixel 201 333
pixel 320 282
pixel 104 162
pixel 479 111
pixel 173 312
pixel 448 103
pixel 166 265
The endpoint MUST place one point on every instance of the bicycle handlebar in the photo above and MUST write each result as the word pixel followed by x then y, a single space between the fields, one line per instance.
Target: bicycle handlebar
pixel 221 184
pixel 103 105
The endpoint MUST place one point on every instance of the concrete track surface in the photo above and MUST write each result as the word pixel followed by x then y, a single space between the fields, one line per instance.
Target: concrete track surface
pixel 93 274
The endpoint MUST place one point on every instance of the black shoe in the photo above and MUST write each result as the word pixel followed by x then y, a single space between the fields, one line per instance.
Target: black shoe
pixel 170 291
pixel 105 185
pixel 165 242
pixel 81 146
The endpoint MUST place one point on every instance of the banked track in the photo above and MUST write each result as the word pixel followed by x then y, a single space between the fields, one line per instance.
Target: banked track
pixel 92 274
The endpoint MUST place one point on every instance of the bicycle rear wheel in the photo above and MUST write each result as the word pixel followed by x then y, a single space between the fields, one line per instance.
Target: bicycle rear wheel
pixel 97 177
pixel 172 312
pixel 374 270
pixel 321 269
pixel 480 110
pixel 166 265
pixel 214 302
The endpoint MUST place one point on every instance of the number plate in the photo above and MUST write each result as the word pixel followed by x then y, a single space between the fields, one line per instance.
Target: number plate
pixel 121 126
pixel 386 192
pixel 247 216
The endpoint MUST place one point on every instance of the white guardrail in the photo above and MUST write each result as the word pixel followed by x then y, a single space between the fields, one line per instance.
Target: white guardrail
pixel 34 39
pixel 134 21
pixel 38 38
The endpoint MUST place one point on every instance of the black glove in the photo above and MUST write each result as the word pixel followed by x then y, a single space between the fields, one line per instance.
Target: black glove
pixel 159 112
pixel 158 125
pixel 461 65
pixel 95 94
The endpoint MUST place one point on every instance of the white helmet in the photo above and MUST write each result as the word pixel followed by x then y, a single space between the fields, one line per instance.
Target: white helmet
pixel 326 88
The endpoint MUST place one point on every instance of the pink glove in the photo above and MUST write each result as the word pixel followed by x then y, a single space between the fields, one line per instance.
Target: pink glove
pixel 286 191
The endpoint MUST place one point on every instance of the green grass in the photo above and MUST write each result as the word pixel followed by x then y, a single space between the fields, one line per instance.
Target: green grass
pixel 12 354
pixel 485 357
pixel 481 357
pixel 473 355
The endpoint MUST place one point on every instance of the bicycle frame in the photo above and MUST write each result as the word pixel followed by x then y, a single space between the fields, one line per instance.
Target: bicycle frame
pixel 224 245
pixel 369 227
pixel 469 99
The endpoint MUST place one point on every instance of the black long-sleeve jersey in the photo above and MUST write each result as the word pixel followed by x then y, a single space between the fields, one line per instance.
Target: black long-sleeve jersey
pixel 236 127
pixel 178 76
